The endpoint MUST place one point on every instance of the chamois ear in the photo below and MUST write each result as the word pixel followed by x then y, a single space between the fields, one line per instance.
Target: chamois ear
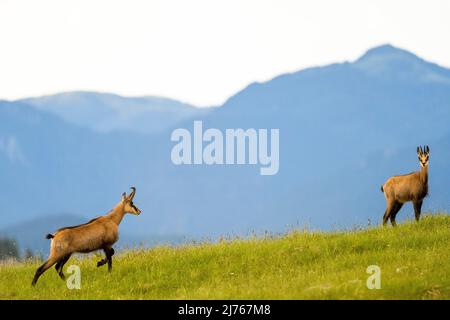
pixel 133 192
pixel 428 149
pixel 124 196
pixel 418 150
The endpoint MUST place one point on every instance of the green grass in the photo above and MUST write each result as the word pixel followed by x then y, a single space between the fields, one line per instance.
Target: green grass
pixel 414 259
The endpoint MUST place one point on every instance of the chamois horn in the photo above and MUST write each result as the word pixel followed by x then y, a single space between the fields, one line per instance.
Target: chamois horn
pixel 133 192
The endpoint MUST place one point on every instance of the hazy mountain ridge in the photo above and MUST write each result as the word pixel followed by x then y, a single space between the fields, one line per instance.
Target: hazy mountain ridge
pixel 106 112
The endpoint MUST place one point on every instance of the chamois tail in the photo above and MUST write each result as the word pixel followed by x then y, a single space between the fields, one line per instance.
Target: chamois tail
pixel 382 190
pixel 49 236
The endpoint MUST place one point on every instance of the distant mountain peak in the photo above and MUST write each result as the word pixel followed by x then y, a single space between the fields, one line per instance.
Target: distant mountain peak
pixel 387 51
pixel 395 64
pixel 387 47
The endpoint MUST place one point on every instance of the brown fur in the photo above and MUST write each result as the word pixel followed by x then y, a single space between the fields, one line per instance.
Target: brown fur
pixel 99 233
pixel 410 187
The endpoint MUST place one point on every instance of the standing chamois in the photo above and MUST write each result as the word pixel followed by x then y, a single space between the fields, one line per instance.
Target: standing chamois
pixel 410 187
pixel 99 233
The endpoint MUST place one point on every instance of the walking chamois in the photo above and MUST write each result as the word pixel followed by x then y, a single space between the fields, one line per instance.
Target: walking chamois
pixel 99 233
pixel 410 187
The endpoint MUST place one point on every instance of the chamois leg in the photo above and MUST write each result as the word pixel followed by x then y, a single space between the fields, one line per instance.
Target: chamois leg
pixel 394 212
pixel 109 253
pixel 102 262
pixel 392 218
pixel 59 266
pixel 387 213
pixel 417 209
pixel 47 264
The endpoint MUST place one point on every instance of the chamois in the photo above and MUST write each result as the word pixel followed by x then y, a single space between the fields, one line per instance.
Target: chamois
pixel 99 233
pixel 410 187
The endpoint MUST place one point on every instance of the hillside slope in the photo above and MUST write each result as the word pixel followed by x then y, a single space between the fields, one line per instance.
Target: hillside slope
pixel 413 259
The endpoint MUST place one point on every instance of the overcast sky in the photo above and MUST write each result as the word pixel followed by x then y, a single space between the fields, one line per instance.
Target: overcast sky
pixel 199 51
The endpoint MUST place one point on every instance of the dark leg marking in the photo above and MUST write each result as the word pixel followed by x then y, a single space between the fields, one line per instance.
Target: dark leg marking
pixel 394 212
pixel 387 213
pixel 109 253
pixel 102 262
pixel 60 265
pixel 417 209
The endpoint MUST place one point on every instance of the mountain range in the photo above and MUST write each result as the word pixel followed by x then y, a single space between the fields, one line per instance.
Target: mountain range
pixel 344 129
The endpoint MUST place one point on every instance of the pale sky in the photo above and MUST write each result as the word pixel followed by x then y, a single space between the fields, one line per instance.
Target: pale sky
pixel 199 51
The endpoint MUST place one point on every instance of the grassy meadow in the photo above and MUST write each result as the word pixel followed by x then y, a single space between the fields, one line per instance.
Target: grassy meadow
pixel 414 259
